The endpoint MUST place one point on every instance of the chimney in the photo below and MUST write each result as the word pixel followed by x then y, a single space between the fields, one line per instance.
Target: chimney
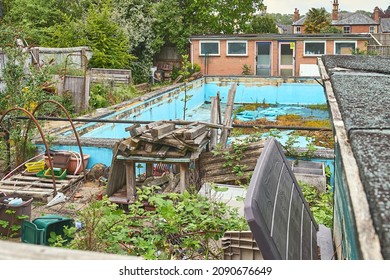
pixel 296 15
pixel 376 14
pixel 335 10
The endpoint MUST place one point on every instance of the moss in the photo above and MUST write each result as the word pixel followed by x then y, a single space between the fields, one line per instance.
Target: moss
pixel 321 138
pixel 322 107
pixel 252 106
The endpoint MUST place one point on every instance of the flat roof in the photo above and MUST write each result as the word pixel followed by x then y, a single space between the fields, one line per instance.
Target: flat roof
pixel 331 36
pixel 361 85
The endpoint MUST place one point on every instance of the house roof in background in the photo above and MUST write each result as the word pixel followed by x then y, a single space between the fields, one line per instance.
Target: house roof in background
pixel 385 25
pixel 300 21
pixel 345 19
pixel 355 19
pixel 286 28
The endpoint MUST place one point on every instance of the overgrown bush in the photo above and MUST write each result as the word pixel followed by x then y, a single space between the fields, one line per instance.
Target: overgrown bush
pixel 183 226
pixel 104 95
pixel 99 96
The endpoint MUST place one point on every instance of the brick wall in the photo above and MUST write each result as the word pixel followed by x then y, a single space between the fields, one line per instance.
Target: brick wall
pixel 233 65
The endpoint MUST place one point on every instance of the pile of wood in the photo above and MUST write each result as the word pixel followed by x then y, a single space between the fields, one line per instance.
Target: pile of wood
pixel 221 166
pixel 163 139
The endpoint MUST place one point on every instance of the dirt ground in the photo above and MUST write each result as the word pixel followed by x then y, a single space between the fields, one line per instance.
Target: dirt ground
pixel 77 198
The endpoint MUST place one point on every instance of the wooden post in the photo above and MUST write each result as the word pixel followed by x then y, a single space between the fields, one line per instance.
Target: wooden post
pixel 184 177
pixel 213 119
pixel 227 120
pixel 130 180
pixel 149 170
pixel 219 108
pixel 35 57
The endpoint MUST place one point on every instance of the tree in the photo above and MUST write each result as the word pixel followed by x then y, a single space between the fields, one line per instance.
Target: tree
pixel 262 24
pixel 36 16
pixel 285 19
pixel 316 20
pixel 330 29
pixel 207 17
pixel 107 40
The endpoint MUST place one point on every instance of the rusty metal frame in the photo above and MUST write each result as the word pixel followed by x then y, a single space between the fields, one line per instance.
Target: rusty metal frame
pixel 71 123
pixel 32 118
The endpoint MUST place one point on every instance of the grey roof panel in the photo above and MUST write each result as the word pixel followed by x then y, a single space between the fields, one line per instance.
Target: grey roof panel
pixel 372 151
pixel 362 88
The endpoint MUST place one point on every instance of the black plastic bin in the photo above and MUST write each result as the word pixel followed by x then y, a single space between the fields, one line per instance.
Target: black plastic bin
pixel 12 216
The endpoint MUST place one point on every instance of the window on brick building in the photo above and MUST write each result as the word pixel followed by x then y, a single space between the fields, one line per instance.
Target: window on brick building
pixel 347 29
pixel 344 47
pixel 237 48
pixel 314 48
pixel 372 29
pixel 209 48
pixel 298 30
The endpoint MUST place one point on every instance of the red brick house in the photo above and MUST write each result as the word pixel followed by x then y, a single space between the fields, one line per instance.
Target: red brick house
pixel 269 54
pixel 346 22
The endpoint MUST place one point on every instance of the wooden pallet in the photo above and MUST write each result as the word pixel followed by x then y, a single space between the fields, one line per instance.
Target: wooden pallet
pixel 39 188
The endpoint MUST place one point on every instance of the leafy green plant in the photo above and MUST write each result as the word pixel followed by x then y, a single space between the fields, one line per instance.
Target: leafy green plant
pixel 320 203
pixel 183 226
pixel 99 96
pixel 247 70
pixel 291 145
pixel 11 224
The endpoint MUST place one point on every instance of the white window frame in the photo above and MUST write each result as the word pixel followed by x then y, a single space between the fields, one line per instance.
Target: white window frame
pixel 298 30
pixel 304 48
pixel 349 29
pixel 227 48
pixel 372 28
pixel 336 42
pixel 200 48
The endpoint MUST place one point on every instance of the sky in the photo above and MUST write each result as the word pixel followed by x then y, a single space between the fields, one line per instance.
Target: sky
pixel 288 6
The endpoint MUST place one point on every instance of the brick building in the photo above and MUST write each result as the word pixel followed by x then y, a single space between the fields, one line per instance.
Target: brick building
pixel 269 54
pixel 346 22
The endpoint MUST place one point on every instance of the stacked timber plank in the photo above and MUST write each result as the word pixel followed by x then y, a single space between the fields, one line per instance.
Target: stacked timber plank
pixel 164 139
pixel 155 143
pixel 221 166
pixel 40 188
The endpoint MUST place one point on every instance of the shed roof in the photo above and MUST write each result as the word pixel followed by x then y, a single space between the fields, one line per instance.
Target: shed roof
pixel 362 90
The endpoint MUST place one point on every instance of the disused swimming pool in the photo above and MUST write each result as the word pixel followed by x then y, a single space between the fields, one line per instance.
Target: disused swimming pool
pixel 284 98
pixel 285 94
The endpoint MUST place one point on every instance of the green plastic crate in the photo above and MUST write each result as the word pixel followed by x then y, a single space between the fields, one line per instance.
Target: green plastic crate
pixel 38 231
